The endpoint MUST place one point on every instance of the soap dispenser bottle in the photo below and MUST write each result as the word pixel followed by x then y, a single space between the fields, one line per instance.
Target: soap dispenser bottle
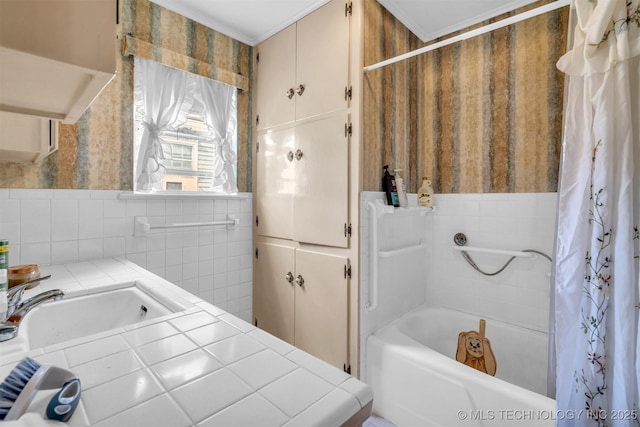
pixel 389 187
pixel 402 193
pixel 425 193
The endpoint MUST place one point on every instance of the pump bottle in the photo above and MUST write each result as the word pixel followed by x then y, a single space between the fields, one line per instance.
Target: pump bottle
pixel 402 194
pixel 389 187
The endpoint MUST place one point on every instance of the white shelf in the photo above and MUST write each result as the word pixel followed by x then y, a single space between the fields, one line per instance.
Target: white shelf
pixel 402 251
pixel 382 208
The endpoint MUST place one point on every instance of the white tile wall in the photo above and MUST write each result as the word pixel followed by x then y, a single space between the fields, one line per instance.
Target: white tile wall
pixel 519 295
pixel 59 226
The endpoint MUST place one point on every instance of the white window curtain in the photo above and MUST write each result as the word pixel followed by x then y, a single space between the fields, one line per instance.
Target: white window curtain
pixel 597 284
pixel 163 97
pixel 220 116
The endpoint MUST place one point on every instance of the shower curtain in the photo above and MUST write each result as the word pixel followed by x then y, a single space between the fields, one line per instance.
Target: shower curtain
pixel 597 296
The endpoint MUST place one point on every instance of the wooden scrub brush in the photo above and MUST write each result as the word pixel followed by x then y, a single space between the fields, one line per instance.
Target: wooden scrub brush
pixel 474 349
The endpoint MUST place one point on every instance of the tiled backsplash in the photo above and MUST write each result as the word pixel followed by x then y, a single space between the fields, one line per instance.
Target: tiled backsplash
pixel 519 295
pixel 62 226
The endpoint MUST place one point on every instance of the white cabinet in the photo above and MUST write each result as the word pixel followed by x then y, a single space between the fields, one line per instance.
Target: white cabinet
pixel 273 290
pixel 303 70
pixel 304 186
pixel 301 296
pixel 26 139
pixel 276 79
pixel 302 182
pixel 321 306
pixel 322 60
pixel 320 203
pixel 302 157
pixel 56 56
pixel 275 183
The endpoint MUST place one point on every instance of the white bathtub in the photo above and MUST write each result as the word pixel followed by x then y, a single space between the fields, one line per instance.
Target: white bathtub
pixel 417 381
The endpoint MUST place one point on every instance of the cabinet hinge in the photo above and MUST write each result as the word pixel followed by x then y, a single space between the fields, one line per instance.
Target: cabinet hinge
pixel 257 119
pixel 255 321
pixel 347 271
pixel 347 368
pixel 348 8
pixel 348 130
pixel 257 221
pixel 258 57
pixel 348 93
pixel 257 147
pixel 347 230
pixel 256 253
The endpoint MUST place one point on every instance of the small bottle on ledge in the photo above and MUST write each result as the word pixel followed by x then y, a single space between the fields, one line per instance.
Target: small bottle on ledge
pixel 425 193
pixel 389 187
pixel 402 193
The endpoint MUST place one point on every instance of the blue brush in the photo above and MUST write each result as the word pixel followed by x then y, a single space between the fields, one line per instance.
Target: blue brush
pixel 20 387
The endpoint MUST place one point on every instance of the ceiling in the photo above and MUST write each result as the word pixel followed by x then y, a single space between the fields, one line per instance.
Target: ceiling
pixel 430 19
pixel 249 21
pixel 252 21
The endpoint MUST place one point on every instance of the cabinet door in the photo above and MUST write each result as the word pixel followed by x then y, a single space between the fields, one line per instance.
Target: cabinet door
pixel 322 182
pixel 275 183
pixel 322 59
pixel 273 294
pixel 321 306
pixel 276 75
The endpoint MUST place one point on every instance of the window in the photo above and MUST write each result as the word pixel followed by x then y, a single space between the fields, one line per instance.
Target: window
pixel 181 157
pixel 184 131
pixel 173 186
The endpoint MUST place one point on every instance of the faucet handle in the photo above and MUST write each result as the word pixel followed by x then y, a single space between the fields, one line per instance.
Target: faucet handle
pixel 14 294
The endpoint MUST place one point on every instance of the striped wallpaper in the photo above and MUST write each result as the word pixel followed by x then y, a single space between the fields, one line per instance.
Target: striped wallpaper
pixel 96 152
pixel 483 115
pixel 479 116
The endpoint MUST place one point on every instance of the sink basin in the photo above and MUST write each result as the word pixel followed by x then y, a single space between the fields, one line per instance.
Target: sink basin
pixel 69 318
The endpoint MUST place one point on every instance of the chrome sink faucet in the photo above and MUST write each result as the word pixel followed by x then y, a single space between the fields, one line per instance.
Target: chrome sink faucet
pixel 18 309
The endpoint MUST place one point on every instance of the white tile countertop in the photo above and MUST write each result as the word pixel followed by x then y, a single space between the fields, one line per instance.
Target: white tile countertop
pixel 198 366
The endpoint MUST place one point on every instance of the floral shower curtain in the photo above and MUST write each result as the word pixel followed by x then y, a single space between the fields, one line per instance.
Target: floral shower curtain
pixel 597 285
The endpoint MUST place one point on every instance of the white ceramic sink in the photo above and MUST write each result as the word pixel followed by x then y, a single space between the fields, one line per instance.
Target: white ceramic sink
pixel 69 318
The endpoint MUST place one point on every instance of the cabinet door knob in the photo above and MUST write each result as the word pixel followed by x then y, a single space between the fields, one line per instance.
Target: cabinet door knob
pixel 289 277
pixel 290 156
pixel 298 154
pixel 300 90
pixel 290 93
pixel 300 280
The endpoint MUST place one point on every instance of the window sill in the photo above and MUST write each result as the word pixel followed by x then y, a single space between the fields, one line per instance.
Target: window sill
pixel 130 195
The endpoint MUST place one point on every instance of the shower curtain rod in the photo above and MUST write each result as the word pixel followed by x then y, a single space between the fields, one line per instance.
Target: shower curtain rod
pixel 472 33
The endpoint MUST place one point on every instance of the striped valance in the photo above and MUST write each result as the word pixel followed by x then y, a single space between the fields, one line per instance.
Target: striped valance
pixel 132 46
